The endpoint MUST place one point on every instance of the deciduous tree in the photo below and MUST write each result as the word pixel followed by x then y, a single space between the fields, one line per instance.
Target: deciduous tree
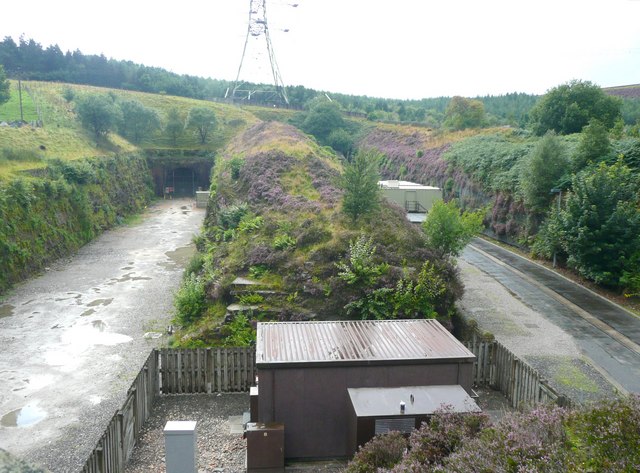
pixel 594 145
pixel 203 120
pixel 601 223
pixel 448 230
pixel 464 113
pixel 137 120
pixel 175 126
pixel 99 114
pixel 569 107
pixel 547 165
pixel 323 118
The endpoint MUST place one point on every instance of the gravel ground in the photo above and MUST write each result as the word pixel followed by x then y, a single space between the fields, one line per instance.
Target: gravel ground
pixel 219 450
pixel 531 336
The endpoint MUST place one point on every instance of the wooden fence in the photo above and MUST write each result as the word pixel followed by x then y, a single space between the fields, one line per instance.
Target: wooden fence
pixel 207 370
pixel 498 368
pixel 116 444
pixel 170 372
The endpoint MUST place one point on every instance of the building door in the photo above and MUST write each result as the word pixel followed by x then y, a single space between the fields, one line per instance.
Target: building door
pixel 411 201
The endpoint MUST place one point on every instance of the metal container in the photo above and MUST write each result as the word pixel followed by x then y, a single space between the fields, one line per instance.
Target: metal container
pixel 265 447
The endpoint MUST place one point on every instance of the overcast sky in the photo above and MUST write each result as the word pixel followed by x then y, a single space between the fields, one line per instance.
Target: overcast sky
pixel 393 49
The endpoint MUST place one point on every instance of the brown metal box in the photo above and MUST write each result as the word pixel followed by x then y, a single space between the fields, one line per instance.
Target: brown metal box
pixel 265 447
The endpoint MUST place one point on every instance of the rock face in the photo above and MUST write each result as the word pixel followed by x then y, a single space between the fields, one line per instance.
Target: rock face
pixel 62 207
pixel 416 155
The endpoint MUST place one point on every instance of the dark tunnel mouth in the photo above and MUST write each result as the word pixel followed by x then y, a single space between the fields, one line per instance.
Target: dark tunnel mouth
pixel 180 179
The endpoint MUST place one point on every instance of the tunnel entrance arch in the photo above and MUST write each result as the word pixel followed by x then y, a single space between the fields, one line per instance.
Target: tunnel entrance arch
pixel 180 176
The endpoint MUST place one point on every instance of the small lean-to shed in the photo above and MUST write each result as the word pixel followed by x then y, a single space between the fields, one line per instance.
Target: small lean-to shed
pixel 311 377
pixel 414 198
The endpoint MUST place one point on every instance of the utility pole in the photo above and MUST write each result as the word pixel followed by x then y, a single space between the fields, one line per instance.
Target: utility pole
pixel 559 192
pixel 244 89
pixel 20 94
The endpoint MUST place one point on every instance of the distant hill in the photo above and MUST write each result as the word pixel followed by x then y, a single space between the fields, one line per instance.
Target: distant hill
pixel 60 134
pixel 624 91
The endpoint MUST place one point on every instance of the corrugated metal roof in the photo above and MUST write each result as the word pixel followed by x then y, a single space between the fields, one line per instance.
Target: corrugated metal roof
pixel 353 341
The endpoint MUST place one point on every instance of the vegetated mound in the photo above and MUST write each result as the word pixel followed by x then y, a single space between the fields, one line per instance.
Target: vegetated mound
pixel 275 218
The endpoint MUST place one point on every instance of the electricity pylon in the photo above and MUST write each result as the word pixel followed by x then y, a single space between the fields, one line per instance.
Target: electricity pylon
pixel 245 89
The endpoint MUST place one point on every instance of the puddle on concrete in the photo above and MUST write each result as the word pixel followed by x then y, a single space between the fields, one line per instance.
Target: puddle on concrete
pixel 60 299
pixel 93 333
pixel 88 312
pixel 98 302
pixel 6 310
pixel 128 277
pixel 23 417
pixel 181 256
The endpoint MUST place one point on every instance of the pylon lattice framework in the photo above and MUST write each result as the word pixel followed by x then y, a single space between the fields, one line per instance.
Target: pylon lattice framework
pixel 242 90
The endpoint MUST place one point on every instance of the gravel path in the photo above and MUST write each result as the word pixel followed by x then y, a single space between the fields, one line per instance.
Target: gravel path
pixel 219 450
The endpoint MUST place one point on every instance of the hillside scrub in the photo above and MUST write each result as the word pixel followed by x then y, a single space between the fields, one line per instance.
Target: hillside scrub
pixel 275 217
pixel 66 205
pixel 603 437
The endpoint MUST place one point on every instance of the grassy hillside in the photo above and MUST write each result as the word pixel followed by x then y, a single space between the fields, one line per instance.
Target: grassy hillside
pixel 62 136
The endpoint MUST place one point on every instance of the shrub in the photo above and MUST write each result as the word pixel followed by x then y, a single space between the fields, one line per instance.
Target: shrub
pixel 194 266
pixel 250 224
pixel 258 271
pixel 239 332
pixel 606 437
pixel 229 217
pixel 250 299
pixel 282 242
pixel 190 300
pixel 235 165
pixel 360 268
pixel 443 435
pixel 383 451
pixel 533 441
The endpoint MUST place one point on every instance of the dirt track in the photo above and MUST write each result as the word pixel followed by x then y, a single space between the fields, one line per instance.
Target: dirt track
pixel 73 338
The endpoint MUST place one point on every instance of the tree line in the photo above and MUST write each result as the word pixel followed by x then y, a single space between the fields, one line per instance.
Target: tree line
pixel 27 59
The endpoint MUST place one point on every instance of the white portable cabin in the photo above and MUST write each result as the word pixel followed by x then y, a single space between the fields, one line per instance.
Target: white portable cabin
pixel 414 198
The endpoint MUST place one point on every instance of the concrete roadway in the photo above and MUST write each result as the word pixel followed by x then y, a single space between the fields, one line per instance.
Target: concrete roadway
pixel 606 333
pixel 74 338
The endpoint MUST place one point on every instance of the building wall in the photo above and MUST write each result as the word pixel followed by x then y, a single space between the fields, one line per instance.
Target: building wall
pixel 313 402
pixel 426 197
